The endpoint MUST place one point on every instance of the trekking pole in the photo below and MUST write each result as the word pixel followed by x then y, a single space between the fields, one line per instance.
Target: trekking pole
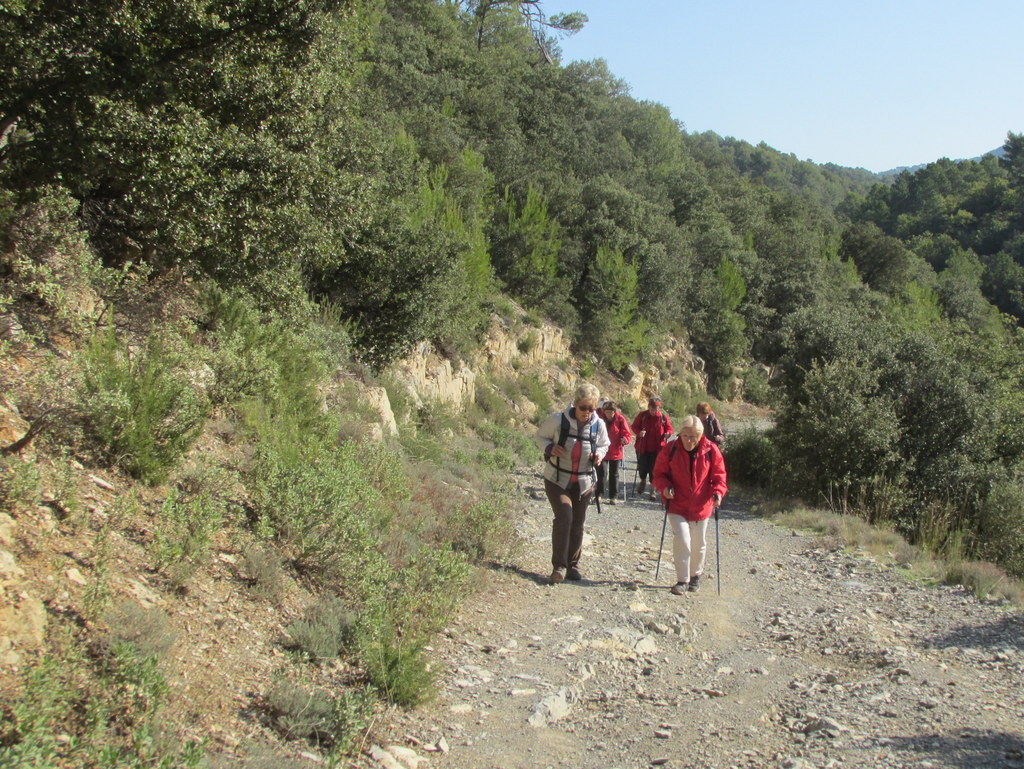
pixel 661 546
pixel 718 558
pixel 596 496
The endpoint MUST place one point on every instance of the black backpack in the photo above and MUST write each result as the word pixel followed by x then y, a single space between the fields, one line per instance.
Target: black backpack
pixel 563 436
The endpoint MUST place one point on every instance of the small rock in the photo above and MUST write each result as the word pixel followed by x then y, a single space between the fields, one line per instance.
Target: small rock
pixel 101 483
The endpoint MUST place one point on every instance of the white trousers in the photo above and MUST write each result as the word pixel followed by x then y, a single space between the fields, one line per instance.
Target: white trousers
pixel 689 546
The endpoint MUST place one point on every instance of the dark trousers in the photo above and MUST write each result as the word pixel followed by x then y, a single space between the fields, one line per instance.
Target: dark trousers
pixel 570 509
pixel 613 478
pixel 645 464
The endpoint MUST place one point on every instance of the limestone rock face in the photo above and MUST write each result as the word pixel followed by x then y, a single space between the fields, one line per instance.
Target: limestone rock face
pixel 517 345
pixel 377 399
pixel 433 379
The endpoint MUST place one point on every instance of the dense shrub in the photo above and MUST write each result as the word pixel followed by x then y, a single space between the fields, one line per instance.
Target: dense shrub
pixel 139 405
pixel 752 457
pixel 1001 527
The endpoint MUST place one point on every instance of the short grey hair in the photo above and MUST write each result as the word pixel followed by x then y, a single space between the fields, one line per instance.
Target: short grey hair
pixel 692 421
pixel 586 392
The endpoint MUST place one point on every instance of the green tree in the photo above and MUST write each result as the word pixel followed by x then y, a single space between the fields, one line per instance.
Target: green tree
pixel 610 326
pixel 526 244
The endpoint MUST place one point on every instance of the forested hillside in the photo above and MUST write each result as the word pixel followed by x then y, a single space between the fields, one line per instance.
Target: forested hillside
pixel 279 188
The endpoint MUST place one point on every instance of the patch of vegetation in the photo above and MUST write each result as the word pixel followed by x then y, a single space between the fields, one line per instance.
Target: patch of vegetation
pixel 332 720
pixel 138 405
pixel 76 711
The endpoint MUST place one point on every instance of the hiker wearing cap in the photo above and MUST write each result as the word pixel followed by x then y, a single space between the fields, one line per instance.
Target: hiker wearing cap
pixel 690 474
pixel 574 443
pixel 652 428
pixel 620 436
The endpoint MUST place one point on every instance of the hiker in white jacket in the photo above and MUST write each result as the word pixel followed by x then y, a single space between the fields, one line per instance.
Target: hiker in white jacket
pixel 574 442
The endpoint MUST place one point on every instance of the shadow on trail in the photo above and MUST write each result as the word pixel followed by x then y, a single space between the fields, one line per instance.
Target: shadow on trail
pixel 967 749
pixel 587 582
pixel 1007 632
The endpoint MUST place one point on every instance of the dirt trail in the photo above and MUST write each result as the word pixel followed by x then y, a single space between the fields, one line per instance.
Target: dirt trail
pixel 807 658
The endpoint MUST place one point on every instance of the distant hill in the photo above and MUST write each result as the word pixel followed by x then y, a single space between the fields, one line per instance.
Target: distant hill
pixel 892 173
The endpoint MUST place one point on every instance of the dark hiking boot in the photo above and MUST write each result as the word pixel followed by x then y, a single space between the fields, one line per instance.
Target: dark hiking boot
pixel 573 574
pixel 641 486
pixel 694 583
pixel 678 589
pixel 558 575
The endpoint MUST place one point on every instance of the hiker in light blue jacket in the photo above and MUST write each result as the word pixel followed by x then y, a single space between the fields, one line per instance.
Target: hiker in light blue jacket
pixel 574 442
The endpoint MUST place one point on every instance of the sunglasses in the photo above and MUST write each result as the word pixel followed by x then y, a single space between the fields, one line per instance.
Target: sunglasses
pixel 588 409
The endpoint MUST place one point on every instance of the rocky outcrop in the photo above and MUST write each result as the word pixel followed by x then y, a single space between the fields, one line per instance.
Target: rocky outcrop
pixel 516 345
pixel 430 378
pixel 509 345
pixel 22 615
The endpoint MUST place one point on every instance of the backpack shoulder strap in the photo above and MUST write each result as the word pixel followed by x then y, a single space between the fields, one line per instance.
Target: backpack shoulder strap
pixel 563 432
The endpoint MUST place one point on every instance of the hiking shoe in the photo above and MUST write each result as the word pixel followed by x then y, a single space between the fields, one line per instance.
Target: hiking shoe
pixel 654 494
pixel 558 575
pixel 613 501
pixel 678 589
pixel 573 574
pixel 694 583
pixel 641 486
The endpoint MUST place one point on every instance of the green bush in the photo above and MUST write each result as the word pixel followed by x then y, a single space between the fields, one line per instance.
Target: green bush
pixel 500 459
pixel 19 483
pixel 264 569
pixel 528 342
pixel 395 623
pixel 320 500
pixel 76 712
pixel 533 388
pixel 325 629
pixel 333 720
pixel 147 631
pixel 752 458
pixel 507 438
pixel 756 387
pixel 139 406
pixel 263 355
pixel 1001 527
pixel 481 529
pixel 493 403
pixel 184 528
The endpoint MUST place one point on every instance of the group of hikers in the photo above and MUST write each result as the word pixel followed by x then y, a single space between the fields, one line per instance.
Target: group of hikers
pixel 583 451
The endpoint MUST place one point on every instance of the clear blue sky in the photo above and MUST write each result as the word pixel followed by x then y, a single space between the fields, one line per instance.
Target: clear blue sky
pixel 874 84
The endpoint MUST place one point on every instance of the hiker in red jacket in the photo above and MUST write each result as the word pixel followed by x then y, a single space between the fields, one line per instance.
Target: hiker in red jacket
pixel 652 428
pixel 620 436
pixel 690 474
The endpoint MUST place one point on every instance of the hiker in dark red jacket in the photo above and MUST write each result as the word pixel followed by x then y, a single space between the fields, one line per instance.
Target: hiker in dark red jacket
pixel 712 427
pixel 652 428
pixel 690 474
pixel 620 436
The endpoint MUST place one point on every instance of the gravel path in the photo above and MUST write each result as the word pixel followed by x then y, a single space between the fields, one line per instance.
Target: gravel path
pixel 807 658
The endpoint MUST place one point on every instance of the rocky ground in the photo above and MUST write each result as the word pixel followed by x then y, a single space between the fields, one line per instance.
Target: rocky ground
pixel 808 657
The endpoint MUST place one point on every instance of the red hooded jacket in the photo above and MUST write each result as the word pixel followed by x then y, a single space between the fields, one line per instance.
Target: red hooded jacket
pixel 658 427
pixel 693 483
pixel 618 428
